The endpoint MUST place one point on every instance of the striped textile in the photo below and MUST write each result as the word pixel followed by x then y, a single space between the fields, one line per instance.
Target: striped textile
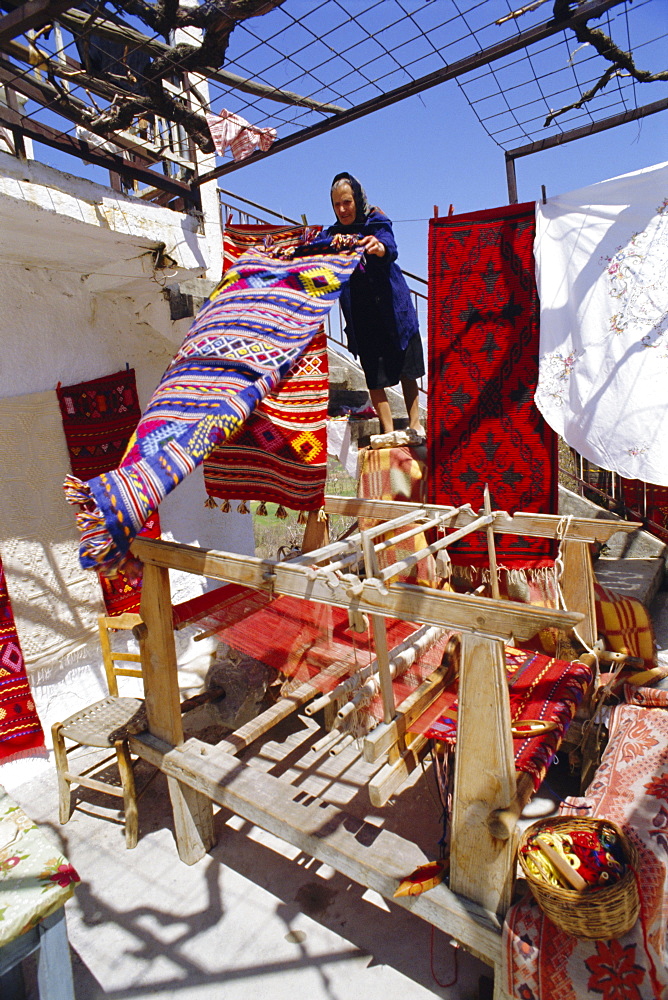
pixel 626 625
pixel 245 236
pixel 280 455
pixel 541 688
pixel 20 729
pixel 257 322
pixel 234 131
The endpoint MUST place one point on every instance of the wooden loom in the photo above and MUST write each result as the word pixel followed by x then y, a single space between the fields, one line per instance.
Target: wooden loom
pixel 488 794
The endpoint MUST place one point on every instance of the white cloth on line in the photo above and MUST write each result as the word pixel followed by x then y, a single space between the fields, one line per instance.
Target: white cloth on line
pixel 234 131
pixel 341 445
pixel 602 274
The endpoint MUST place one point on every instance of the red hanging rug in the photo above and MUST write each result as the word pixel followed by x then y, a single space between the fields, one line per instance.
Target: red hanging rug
pixel 483 425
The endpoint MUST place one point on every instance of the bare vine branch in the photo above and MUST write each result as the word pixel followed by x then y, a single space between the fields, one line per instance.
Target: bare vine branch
pixel 622 61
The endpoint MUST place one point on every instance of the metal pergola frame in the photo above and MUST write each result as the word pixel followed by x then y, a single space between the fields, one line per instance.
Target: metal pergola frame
pixel 184 193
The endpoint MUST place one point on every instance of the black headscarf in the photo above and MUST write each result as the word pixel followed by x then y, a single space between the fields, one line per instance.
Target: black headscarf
pixel 359 194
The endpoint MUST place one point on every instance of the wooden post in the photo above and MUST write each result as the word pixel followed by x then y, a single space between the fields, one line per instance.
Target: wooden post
pixel 577 587
pixel 491 549
pixel 379 630
pixel 193 812
pixel 316 532
pixel 481 866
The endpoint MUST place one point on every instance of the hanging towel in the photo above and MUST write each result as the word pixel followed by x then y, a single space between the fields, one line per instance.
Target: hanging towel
pixel 234 131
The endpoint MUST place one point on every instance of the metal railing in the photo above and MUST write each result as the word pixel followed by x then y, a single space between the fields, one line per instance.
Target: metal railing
pixel 606 490
pixel 233 213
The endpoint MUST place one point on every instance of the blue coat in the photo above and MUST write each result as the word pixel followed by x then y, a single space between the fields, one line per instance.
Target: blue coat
pixel 383 282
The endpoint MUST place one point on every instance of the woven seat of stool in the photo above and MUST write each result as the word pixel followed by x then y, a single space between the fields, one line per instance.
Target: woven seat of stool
pixel 106 721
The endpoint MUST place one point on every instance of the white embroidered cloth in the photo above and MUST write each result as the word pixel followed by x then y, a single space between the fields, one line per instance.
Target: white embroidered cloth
pixel 602 275
pixel 234 131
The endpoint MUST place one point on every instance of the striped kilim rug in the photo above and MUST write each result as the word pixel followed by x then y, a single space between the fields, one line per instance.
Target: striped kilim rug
pixel 20 729
pixel 280 455
pixel 247 336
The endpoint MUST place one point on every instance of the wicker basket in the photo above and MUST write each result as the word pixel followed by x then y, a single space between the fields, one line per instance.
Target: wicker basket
pixel 597 913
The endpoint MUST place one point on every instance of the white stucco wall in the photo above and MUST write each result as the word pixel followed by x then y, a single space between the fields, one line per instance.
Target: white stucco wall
pixel 81 298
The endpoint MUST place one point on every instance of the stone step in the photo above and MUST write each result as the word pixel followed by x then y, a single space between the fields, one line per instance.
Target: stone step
pixel 637 546
pixel 639 578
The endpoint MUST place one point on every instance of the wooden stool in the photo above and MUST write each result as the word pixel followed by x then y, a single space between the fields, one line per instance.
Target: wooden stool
pixel 107 723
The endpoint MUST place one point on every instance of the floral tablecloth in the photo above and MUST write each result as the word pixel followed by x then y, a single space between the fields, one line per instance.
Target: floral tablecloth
pixel 35 880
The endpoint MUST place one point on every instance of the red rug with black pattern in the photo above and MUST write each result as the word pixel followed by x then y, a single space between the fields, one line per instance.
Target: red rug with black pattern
pixel 483 425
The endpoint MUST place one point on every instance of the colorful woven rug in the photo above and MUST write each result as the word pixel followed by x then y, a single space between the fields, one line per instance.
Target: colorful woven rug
pixel 99 417
pixel 483 426
pixel 280 455
pixel 541 689
pixel 20 729
pixel 238 239
pixel 630 787
pixel 247 336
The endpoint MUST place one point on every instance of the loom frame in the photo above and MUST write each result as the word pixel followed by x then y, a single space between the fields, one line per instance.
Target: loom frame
pixel 487 790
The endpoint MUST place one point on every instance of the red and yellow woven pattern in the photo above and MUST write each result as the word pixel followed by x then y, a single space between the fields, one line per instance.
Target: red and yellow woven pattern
pixel 541 688
pixel 280 454
pixel 626 625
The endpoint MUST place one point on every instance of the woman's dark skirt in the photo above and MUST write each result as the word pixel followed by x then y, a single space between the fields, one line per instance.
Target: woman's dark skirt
pixel 385 364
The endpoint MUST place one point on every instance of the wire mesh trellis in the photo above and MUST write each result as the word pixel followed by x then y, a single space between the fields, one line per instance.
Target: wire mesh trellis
pixel 84 75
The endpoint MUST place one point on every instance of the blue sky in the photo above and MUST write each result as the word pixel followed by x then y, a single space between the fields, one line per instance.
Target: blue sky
pixel 431 150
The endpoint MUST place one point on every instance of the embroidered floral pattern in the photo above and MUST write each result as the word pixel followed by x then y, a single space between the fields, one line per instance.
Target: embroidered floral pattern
pixel 660 835
pixel 638 741
pixel 59 871
pixel 555 372
pixel 658 786
pixel 33 880
pixel 614 972
pixel 636 278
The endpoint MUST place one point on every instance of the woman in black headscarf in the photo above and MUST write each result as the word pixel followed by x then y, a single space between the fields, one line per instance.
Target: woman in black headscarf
pixel 381 321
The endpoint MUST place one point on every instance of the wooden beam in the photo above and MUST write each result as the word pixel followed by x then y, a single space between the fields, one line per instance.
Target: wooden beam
pixel 368 854
pixel 119 31
pixel 522 40
pixel 401 600
pixel 29 15
pixel 385 735
pixel 193 814
pixel 583 529
pixel 577 587
pixel 392 776
pixel 68 144
pixel 45 93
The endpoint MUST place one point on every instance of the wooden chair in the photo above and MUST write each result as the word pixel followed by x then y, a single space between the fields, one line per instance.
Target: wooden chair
pixel 107 723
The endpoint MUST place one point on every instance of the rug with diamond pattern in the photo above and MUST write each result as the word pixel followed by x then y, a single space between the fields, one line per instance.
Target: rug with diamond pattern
pixel 21 732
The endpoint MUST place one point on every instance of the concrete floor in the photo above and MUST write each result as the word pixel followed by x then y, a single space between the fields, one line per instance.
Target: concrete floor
pixel 255 918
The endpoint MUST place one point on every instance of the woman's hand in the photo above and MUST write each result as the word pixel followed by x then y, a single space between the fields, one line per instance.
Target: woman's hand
pixel 373 246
